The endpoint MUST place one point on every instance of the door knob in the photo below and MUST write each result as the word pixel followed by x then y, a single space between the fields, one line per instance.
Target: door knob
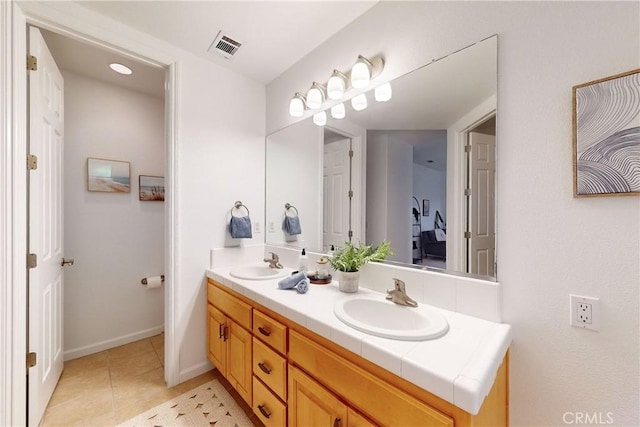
pixel 66 261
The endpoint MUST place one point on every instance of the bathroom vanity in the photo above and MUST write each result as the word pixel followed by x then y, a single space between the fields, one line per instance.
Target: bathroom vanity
pixel 296 364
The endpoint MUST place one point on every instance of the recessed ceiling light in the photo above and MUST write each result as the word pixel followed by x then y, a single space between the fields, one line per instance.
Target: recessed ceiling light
pixel 119 68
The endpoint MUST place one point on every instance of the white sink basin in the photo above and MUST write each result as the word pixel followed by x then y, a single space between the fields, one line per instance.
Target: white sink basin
pixel 257 272
pixel 383 318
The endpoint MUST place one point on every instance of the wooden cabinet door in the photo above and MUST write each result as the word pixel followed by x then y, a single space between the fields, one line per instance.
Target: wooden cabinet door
pixel 310 404
pixel 239 359
pixel 216 345
pixel 354 419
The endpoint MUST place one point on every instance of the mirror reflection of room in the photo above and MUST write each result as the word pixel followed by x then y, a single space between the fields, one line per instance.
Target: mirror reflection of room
pixel 400 170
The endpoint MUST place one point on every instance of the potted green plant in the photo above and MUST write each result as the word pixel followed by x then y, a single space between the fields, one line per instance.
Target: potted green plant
pixel 348 260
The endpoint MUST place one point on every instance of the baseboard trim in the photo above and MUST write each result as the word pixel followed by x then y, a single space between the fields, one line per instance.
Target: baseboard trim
pixel 114 342
pixel 194 371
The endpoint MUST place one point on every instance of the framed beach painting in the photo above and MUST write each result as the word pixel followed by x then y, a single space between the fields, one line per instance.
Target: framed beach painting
pixel 151 188
pixel 606 136
pixel 110 176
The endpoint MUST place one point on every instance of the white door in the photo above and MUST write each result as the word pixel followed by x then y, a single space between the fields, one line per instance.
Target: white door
pixel 46 121
pixel 336 188
pixel 482 170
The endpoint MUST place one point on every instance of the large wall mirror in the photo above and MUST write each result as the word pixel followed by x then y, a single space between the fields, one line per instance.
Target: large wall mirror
pixel 417 170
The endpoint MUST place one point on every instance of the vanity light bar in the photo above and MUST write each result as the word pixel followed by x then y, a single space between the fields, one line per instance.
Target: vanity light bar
pixel 339 83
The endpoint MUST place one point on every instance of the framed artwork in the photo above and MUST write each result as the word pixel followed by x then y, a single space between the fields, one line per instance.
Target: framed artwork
pixel 425 207
pixel 151 188
pixel 606 136
pixel 109 176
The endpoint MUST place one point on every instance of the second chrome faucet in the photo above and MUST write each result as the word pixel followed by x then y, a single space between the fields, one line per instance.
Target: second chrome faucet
pixel 399 294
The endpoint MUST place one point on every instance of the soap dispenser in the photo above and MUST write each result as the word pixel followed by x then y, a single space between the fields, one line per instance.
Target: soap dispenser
pixel 303 261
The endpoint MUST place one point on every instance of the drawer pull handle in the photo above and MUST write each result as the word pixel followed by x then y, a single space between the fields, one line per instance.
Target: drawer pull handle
pixel 266 413
pixel 264 331
pixel 220 330
pixel 336 422
pixel 264 368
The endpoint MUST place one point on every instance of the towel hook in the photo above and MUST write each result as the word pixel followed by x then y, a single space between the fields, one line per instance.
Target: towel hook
pixel 290 206
pixel 238 205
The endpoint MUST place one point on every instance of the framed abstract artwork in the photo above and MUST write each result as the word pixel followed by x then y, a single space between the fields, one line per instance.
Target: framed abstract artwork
pixel 151 188
pixel 606 136
pixel 109 176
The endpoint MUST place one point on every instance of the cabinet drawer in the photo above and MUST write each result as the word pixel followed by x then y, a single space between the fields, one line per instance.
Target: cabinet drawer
pixel 383 402
pixel 239 311
pixel 270 331
pixel 270 367
pixel 271 411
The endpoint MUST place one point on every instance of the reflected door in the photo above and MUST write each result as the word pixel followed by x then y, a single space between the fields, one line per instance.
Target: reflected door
pixel 482 205
pixel 336 190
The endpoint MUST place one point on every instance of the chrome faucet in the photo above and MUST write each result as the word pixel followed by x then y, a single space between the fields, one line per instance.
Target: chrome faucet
pixel 274 262
pixel 399 295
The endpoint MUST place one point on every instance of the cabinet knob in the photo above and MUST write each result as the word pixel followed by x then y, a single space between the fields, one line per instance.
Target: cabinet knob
pixel 264 368
pixel 264 331
pixel 264 412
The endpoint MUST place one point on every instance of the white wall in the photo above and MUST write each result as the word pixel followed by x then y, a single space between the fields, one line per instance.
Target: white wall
pixel 549 243
pixel 294 161
pixel 114 238
pixel 390 181
pixel 431 185
pixel 376 172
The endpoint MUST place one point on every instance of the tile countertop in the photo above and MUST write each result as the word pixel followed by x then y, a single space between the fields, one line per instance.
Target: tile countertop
pixel 459 367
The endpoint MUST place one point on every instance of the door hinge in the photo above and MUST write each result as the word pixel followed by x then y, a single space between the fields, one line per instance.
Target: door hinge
pixel 350 194
pixel 32 260
pixel 467 191
pixel 32 162
pixel 467 234
pixel 32 360
pixel 351 153
pixel 32 63
pixel 467 148
pixel 350 233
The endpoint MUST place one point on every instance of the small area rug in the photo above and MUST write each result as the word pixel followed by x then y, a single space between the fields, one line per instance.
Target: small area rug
pixel 207 405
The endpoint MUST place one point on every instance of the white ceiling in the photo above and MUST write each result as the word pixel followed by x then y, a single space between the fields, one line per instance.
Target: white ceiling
pixel 88 60
pixel 275 34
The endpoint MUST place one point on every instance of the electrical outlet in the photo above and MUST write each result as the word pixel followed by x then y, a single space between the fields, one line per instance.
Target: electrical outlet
pixel 271 227
pixel 584 312
pixel 256 226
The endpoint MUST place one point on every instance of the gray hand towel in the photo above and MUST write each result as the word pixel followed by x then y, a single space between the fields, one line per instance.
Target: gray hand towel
pixel 291 281
pixel 240 227
pixel 303 286
pixel 291 225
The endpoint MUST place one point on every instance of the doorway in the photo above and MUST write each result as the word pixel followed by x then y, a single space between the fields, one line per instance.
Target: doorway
pixel 110 124
pixel 480 236
pixel 337 189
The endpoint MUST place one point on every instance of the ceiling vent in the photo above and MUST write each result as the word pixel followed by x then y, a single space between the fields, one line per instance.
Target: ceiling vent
pixel 225 46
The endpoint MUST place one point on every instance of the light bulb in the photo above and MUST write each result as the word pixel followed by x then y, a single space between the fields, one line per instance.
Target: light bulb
pixel 360 73
pixel 315 96
pixel 336 85
pixel 383 93
pixel 338 111
pixel 296 106
pixel 359 102
pixel 320 118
